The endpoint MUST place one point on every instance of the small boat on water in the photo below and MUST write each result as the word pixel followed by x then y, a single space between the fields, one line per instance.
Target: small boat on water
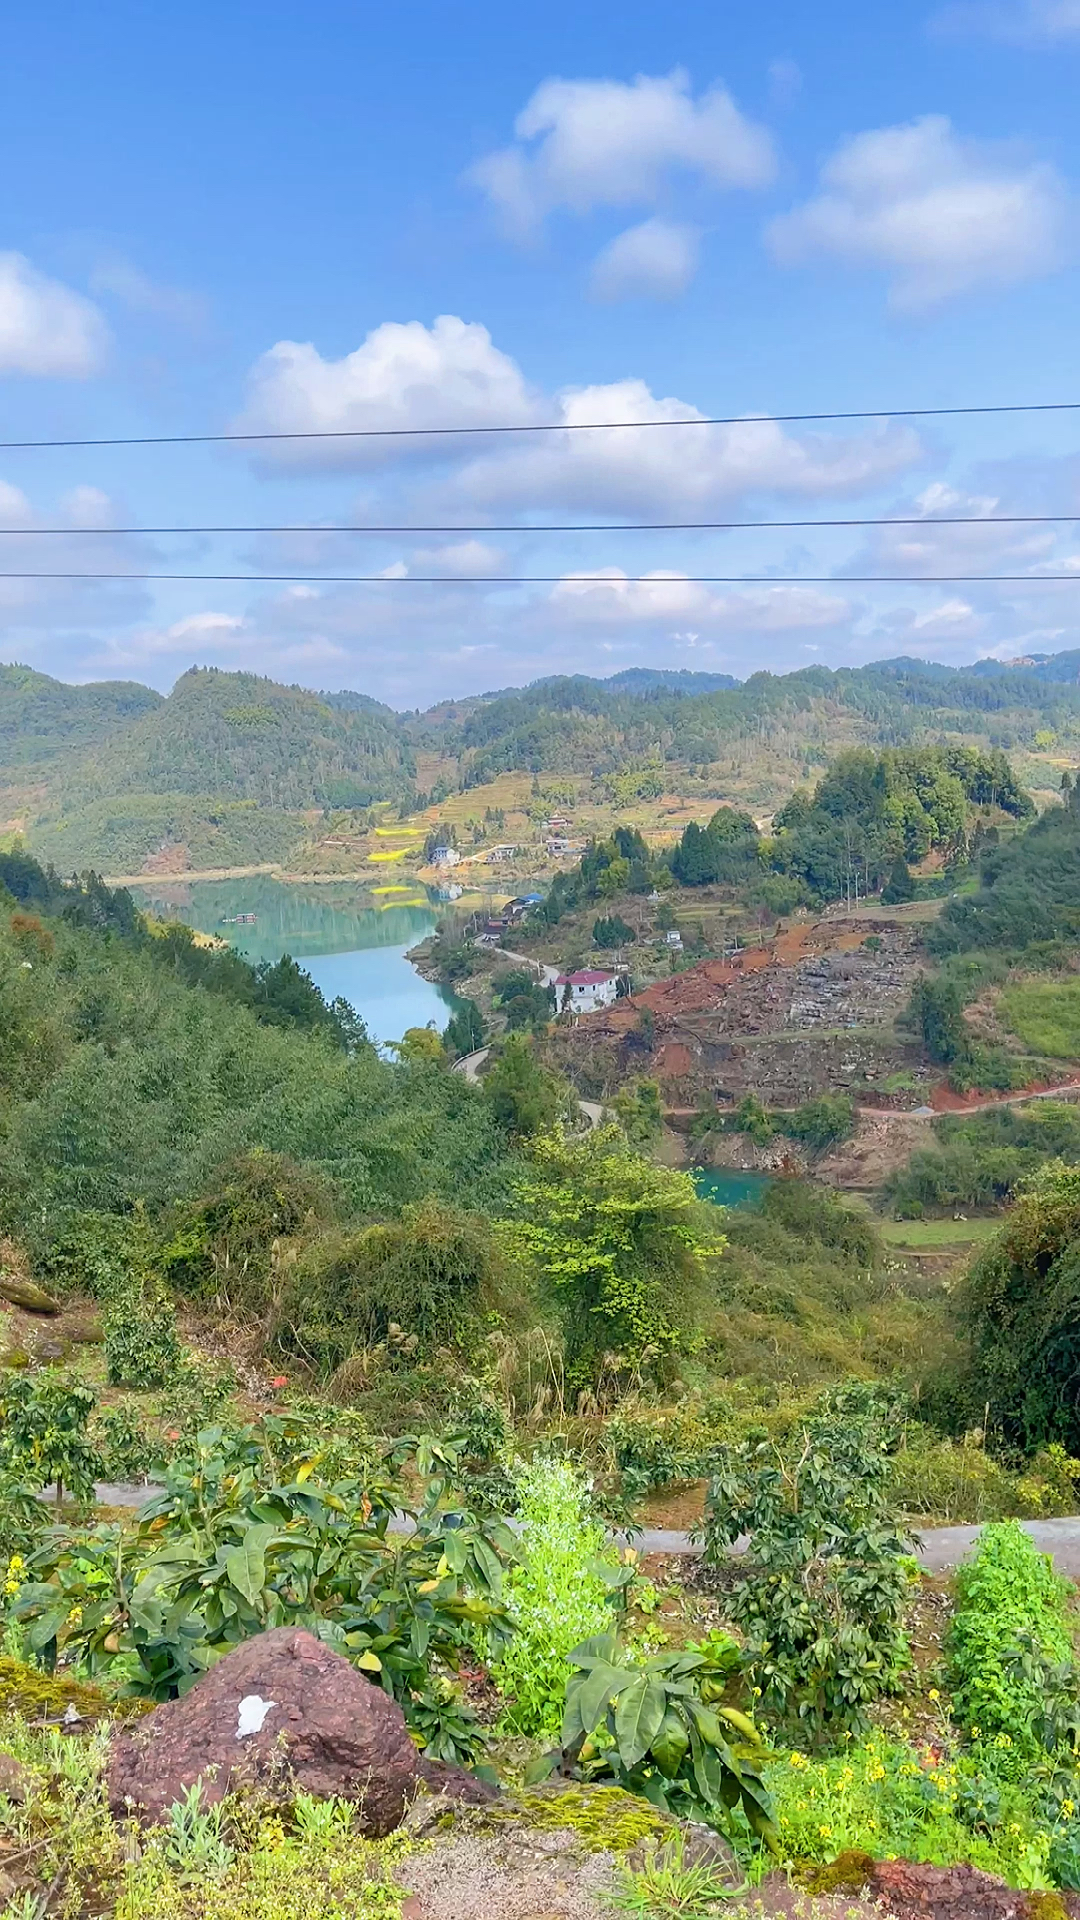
pixel 239 919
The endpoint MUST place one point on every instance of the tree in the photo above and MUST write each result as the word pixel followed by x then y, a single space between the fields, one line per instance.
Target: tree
pixel 465 1030
pixel 526 1097
pixel 1021 1305
pixel 640 1112
pixel 899 885
pixel 420 1046
pixel 612 932
pixel 624 1248
pixel 937 1013
pixel 524 1001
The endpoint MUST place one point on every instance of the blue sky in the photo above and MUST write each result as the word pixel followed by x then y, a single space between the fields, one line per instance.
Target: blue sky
pixel 250 216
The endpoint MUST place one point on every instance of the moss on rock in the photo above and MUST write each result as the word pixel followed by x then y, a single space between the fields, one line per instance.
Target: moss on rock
pixel 47 1696
pixel 607 1819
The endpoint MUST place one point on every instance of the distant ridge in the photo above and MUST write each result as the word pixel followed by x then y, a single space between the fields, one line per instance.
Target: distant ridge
pixel 672 679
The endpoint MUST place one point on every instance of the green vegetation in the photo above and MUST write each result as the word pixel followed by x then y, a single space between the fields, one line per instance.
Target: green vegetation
pixel 1010 1619
pixel 978 1160
pixel 664 1727
pixel 1046 1015
pixel 556 1594
pixel 480 1307
pixel 829 1573
pixel 624 1248
pixel 1028 891
pixel 1020 1302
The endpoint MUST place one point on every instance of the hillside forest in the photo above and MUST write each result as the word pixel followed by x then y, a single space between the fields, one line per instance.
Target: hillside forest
pixel 775 1247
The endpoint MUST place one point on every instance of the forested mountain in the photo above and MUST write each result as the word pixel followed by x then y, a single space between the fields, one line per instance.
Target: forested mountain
pixel 41 718
pixel 229 761
pixel 247 738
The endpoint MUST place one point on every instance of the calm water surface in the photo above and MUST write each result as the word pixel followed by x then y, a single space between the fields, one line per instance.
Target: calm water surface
pixel 727 1187
pixel 351 941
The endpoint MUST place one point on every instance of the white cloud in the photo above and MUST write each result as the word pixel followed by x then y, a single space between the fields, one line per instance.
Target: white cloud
pixel 45 328
pixel 125 282
pixel 583 144
pixel 29 605
pixel 607 596
pixel 657 259
pixel 403 375
pixel 452 374
pixel 934 547
pixel 469 559
pixel 667 473
pixel 938 213
pixel 785 82
pixel 1024 22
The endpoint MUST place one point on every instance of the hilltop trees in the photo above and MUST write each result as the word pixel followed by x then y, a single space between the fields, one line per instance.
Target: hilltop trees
pixel 727 849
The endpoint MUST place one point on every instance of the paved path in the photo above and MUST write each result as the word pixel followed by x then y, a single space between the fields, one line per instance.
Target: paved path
pixel 940 1548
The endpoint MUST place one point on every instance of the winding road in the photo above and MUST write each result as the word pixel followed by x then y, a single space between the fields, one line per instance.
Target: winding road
pixel 471 1063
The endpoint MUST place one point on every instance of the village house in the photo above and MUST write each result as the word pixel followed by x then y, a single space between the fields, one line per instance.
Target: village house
pixel 584 992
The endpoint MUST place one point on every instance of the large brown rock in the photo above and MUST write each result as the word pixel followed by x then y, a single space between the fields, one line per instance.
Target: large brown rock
pixel 283 1713
pixel 914 1892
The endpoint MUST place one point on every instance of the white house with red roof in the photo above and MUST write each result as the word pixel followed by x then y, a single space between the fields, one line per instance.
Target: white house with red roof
pixel 583 992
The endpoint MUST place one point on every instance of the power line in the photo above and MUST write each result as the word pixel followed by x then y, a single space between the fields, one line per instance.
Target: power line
pixel 580 579
pixel 604 526
pixel 547 426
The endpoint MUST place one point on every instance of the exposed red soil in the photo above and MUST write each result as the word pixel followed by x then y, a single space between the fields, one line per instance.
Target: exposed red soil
pixel 945 1099
pixel 167 860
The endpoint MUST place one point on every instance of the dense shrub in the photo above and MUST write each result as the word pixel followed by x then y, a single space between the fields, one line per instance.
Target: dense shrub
pixel 822 1123
pixel 977 1160
pixel 1010 1602
pixel 829 1570
pixel 435 1278
pixel 623 1249
pixel 1021 1304
pixel 555 1593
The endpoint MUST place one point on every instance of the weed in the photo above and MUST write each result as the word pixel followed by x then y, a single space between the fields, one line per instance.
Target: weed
pixel 554 1592
pixel 669 1883
pixel 194 1842
pixel 1008 1595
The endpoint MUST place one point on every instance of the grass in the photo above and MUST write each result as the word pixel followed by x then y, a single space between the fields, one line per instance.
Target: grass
pixel 937 1233
pixel 1046 1016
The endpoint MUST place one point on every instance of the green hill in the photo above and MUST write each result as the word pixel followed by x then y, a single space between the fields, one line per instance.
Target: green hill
pixel 41 718
pixel 229 762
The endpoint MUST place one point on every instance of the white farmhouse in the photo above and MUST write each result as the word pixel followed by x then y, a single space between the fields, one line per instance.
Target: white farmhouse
pixel 585 991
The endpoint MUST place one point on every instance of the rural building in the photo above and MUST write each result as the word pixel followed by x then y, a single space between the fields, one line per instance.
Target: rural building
pixel 445 857
pixel 583 992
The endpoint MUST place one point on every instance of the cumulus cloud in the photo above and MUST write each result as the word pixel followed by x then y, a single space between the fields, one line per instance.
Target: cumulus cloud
pixel 1024 22
pixel 939 214
pixel 452 374
pixel 583 144
pixel 46 329
pixel 686 470
pixel 935 547
pixel 606 596
pixel 404 375
pixel 657 260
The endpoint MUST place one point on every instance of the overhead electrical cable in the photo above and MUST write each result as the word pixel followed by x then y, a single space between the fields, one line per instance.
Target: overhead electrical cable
pixel 541 426
pixel 666 579
pixel 604 526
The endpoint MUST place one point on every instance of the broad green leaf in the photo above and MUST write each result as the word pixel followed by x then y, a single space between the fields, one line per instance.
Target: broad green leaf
pixel 671 1744
pixel 245 1565
pixel 639 1716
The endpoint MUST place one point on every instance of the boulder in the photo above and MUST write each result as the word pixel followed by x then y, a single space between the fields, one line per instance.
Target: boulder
pixel 24 1292
pixel 282 1713
pixel 915 1892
